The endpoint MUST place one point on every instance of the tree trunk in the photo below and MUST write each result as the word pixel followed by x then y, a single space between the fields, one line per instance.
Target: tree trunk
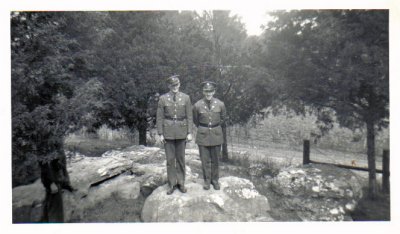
pixel 371 159
pixel 224 146
pixel 142 133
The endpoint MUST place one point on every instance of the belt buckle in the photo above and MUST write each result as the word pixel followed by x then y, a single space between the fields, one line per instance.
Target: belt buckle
pixel 209 126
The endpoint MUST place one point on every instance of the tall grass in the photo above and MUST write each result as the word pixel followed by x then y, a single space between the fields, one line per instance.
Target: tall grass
pixel 258 166
pixel 290 131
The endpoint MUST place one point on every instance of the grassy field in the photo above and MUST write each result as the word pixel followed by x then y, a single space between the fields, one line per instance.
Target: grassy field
pixel 290 131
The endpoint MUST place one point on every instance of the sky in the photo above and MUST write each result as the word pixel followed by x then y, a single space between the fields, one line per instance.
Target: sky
pixel 253 19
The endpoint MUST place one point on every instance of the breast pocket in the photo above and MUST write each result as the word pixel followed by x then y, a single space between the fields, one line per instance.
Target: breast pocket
pixel 216 109
pixel 216 114
pixel 169 109
pixel 203 116
pixel 181 110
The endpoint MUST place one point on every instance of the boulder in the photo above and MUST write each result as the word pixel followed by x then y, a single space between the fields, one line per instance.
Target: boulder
pixel 115 200
pixel 85 172
pixel 110 188
pixel 139 154
pixel 119 195
pixel 27 202
pixel 318 192
pixel 237 200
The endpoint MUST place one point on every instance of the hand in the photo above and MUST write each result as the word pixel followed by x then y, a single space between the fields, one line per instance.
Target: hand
pixel 189 137
pixel 162 139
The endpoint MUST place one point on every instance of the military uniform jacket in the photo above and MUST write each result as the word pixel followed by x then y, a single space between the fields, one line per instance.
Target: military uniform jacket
pixel 209 121
pixel 174 118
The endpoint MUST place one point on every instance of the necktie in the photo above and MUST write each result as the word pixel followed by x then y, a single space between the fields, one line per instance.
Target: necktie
pixel 174 97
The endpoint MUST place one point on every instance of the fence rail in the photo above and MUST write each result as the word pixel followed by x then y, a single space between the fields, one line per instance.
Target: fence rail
pixel 385 165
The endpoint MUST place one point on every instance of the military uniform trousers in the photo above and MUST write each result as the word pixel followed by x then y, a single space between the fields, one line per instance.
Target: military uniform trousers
pixel 175 152
pixel 209 162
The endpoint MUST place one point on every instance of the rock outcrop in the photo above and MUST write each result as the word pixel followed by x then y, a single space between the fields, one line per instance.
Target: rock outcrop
pixel 129 185
pixel 110 188
pixel 237 200
pixel 318 192
pixel 27 202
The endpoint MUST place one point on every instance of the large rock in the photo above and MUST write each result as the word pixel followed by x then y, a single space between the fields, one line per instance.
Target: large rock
pixel 115 200
pixel 27 202
pixel 118 196
pixel 85 172
pixel 318 192
pixel 110 188
pixel 236 201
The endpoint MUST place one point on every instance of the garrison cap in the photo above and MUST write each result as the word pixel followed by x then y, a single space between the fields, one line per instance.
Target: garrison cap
pixel 173 80
pixel 208 86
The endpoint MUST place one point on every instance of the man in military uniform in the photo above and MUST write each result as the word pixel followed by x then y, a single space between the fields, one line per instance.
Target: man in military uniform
pixel 209 117
pixel 174 125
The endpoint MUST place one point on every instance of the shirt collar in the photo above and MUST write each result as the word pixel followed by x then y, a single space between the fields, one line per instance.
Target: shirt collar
pixel 172 93
pixel 206 101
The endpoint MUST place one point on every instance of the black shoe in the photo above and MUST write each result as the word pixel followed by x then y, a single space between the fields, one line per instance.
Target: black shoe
pixel 170 190
pixel 182 188
pixel 216 186
pixel 206 186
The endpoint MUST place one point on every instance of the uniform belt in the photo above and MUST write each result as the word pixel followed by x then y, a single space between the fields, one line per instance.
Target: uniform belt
pixel 175 119
pixel 209 126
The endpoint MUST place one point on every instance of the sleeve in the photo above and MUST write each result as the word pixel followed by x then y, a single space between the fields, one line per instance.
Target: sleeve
pixel 195 116
pixel 223 115
pixel 189 115
pixel 160 116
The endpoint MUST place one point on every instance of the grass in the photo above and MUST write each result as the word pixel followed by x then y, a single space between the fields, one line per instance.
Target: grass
pixel 93 147
pixel 369 209
pixel 290 131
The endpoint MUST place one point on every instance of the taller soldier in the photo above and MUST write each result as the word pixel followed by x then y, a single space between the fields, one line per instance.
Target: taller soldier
pixel 174 125
pixel 209 116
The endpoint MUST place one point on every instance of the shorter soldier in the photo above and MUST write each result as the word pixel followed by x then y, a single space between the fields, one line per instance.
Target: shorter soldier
pixel 174 125
pixel 209 117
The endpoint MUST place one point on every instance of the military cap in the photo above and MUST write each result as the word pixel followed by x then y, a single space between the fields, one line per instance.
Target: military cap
pixel 208 86
pixel 173 80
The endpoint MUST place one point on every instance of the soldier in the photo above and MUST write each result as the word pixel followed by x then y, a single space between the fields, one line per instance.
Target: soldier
pixel 174 125
pixel 209 117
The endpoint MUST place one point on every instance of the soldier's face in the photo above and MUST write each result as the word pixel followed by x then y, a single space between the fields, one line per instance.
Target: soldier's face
pixel 174 88
pixel 208 95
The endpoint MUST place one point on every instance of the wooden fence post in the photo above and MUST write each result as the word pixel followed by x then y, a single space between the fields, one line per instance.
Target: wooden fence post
pixel 385 172
pixel 306 152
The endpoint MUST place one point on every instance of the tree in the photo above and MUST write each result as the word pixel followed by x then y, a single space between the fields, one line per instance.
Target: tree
pixel 335 62
pixel 131 54
pixel 125 54
pixel 41 57
pixel 227 35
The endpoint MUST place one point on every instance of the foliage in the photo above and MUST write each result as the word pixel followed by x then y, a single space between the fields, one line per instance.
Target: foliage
pixel 41 56
pixel 335 62
pixel 132 53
